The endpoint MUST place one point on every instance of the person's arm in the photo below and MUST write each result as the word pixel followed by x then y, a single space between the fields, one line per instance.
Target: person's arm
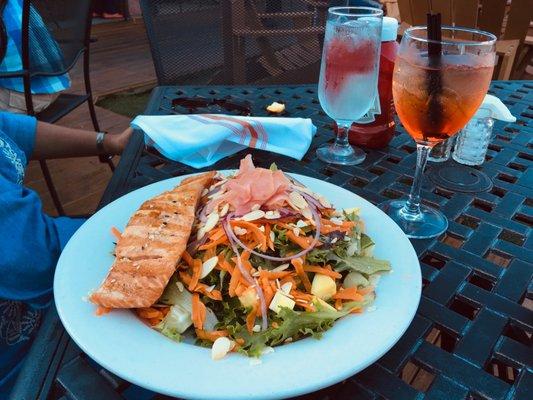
pixel 53 141
pixel 40 140
pixel 30 246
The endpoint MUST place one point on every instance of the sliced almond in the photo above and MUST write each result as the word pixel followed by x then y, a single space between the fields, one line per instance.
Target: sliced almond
pixel 306 212
pixel 201 233
pixel 209 289
pixel 240 231
pixel 204 192
pixel 272 214
pixel 301 224
pixel 286 287
pixel 272 236
pixel 180 286
pixel 281 267
pixel 336 221
pixel 208 266
pixel 225 209
pixel 221 347
pixel 298 200
pixel 256 328
pixel 253 215
pixel 325 203
pixel 296 231
pixel 212 221
pixel 256 207
pixel 216 195
pixel 262 228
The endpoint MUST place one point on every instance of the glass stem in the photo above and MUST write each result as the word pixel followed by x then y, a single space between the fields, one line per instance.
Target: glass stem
pixel 411 210
pixel 342 134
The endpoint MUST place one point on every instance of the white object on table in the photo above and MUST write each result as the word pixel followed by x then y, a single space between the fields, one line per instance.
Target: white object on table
pixel 200 140
pixel 473 140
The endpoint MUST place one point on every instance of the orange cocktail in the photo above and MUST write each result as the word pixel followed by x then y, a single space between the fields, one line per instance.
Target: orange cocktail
pixel 437 86
pixel 462 89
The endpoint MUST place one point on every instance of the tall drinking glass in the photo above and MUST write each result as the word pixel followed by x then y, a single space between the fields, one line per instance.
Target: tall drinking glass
pixel 348 75
pixel 435 94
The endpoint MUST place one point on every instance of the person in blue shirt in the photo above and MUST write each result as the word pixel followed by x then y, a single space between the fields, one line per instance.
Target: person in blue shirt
pixel 31 241
pixel 45 56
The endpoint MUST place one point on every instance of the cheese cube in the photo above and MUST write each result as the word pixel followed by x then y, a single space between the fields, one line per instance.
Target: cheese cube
pixel 280 300
pixel 323 287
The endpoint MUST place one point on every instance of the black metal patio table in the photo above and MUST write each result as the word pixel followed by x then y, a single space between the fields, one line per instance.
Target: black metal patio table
pixel 471 336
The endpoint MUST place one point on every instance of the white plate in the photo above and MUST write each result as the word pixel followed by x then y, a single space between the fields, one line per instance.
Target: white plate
pixel 121 343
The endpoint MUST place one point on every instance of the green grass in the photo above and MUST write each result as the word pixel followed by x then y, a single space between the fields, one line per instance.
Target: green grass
pixel 129 104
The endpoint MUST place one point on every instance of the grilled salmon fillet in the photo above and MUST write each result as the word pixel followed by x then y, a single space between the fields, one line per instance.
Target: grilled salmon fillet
pixel 151 246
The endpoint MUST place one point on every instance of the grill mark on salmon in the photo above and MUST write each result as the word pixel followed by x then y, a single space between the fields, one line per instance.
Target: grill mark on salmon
pixel 151 246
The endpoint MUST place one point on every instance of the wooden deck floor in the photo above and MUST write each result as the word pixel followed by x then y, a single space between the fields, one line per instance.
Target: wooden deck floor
pixel 120 59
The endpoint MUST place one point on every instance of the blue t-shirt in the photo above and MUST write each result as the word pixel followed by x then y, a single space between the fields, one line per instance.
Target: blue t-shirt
pixel 29 248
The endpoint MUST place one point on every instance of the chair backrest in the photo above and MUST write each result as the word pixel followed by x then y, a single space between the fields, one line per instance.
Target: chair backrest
pixel 272 41
pixel 185 39
pixel 58 26
pixel 508 22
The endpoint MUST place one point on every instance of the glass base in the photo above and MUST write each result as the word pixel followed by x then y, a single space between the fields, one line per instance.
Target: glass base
pixel 459 178
pixel 340 155
pixel 428 224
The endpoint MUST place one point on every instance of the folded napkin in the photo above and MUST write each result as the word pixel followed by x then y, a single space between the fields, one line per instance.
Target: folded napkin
pixel 200 140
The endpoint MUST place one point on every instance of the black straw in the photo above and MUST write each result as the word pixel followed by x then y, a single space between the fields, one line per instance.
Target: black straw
pixel 434 78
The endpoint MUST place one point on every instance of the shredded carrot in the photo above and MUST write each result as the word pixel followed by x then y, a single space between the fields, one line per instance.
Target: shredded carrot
pixel 299 267
pixel 187 258
pixel 198 311
pixel 356 310
pixel 213 294
pixel 338 304
pixel 210 335
pixel 148 313
pixel 322 271
pixel 240 341
pixel 303 241
pixel 240 289
pixel 234 281
pixel 250 318
pixel 196 271
pixel 348 294
pixel 274 274
pixel 328 226
pixel 267 290
pixel 116 233
pixel 216 234
pixel 214 243
pixel 261 238
pixel 301 295
pixel 365 290
pixel 270 243
pixel 224 265
pixel 185 277
pixel 102 310
pixel 307 306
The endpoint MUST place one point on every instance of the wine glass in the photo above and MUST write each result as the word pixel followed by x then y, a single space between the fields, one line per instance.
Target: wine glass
pixel 436 92
pixel 348 75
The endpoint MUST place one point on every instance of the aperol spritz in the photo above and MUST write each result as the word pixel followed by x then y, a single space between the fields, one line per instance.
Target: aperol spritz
pixel 435 95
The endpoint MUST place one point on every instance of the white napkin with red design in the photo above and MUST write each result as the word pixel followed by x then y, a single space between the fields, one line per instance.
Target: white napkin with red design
pixel 200 140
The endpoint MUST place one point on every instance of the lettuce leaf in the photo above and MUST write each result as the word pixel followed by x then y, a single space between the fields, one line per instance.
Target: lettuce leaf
pixel 292 325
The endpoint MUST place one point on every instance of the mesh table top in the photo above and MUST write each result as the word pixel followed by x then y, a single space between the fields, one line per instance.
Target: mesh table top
pixel 471 336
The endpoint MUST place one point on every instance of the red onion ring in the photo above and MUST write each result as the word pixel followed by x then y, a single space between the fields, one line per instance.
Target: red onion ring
pixel 316 218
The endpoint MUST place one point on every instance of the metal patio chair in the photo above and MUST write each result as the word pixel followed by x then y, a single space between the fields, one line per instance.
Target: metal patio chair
pixel 69 24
